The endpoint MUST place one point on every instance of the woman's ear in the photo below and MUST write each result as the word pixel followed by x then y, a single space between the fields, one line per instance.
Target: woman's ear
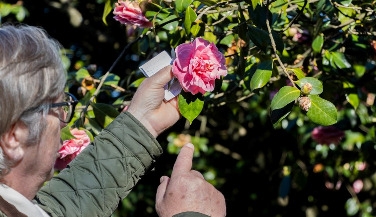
pixel 13 141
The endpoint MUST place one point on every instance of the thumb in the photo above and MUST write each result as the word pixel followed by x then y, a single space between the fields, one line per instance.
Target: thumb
pixel 162 77
pixel 162 188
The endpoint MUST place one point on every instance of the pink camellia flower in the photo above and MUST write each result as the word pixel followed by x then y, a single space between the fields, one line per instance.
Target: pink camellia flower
pixel 128 12
pixel 71 148
pixel 197 65
pixel 327 135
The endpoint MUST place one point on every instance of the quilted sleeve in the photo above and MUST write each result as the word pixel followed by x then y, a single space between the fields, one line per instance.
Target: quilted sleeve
pixel 104 173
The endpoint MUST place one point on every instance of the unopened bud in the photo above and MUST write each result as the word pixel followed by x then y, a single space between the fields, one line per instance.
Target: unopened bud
pixel 306 89
pixel 304 103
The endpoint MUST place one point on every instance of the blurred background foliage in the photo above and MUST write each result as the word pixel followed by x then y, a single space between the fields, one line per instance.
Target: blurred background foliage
pixel 265 165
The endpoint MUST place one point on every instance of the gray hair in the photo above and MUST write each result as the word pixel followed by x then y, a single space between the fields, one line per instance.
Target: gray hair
pixel 31 75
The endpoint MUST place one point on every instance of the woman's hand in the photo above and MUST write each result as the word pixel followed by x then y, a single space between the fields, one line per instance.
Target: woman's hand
pixel 149 107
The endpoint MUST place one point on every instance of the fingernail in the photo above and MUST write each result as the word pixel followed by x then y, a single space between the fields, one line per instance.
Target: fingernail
pixel 161 179
pixel 190 145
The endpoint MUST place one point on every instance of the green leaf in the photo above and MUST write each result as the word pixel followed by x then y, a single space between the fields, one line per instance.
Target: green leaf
pixel 353 99
pixel 277 115
pixel 81 74
pixel 298 72
pixel 181 5
pixel 255 3
pixel 198 29
pixel 66 134
pixel 340 60
pixel 262 75
pixel 317 87
pixel 209 36
pixel 104 113
pixel 112 79
pixel 137 82
pixel 190 17
pixel 106 11
pixel 280 46
pixel 322 112
pixel 21 13
pixel 227 40
pixel 208 2
pixel 318 43
pixel 259 37
pixel 190 107
pixel 284 96
pixel 170 26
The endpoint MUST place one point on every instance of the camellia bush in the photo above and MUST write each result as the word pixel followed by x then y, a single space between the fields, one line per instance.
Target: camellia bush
pixel 278 97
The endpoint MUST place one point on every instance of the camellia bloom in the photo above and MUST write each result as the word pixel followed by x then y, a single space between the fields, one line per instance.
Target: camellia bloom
pixel 197 65
pixel 327 135
pixel 129 13
pixel 71 148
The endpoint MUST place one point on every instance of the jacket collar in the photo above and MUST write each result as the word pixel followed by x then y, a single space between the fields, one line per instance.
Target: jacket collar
pixel 21 203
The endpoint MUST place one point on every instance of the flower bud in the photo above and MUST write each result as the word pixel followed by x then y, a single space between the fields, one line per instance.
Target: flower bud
pixel 304 103
pixel 306 88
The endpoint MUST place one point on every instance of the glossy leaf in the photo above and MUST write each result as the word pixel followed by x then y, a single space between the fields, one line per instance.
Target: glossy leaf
pixel 190 107
pixel 112 79
pixel 318 43
pixel 353 99
pixel 104 113
pixel 208 2
pixel 81 74
pixel 182 5
pixel 298 72
pixel 317 87
pixel 322 112
pixel 259 37
pixel 190 17
pixel 197 29
pixel 262 75
pixel 340 60
pixel 284 96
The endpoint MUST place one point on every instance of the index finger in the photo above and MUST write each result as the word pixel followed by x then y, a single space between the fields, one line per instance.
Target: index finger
pixel 183 163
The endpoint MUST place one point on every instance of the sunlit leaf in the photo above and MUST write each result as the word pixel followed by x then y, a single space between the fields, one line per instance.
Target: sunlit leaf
pixel 106 11
pixel 190 17
pixel 284 96
pixel 198 29
pixel 298 72
pixel 65 133
pixel 317 87
pixel 81 74
pixel 322 112
pixel 190 107
pixel 181 5
pixel 227 40
pixel 209 36
pixel 112 79
pixel 262 75
pixel 137 82
pixel 353 99
pixel 340 60
pixel 318 43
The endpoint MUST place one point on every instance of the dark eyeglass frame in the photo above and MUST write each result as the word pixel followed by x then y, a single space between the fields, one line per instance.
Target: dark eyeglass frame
pixel 72 105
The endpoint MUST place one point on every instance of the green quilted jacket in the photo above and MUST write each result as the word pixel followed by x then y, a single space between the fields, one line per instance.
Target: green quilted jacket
pixel 104 173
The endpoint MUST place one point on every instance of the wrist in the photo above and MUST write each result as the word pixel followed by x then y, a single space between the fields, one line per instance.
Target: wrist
pixel 141 118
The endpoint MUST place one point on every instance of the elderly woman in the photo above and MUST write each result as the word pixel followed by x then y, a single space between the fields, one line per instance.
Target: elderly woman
pixel 34 108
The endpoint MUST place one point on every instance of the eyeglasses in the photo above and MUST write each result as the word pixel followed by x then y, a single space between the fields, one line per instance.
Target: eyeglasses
pixel 68 107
